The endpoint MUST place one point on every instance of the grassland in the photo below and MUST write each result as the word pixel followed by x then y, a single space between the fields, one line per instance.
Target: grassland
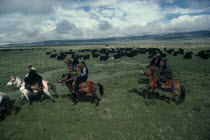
pixel 124 113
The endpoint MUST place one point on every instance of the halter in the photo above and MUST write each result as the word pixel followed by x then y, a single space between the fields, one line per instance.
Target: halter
pixel 14 83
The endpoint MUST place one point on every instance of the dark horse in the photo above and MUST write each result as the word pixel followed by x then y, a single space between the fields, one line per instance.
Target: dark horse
pixel 5 105
pixel 173 86
pixel 84 88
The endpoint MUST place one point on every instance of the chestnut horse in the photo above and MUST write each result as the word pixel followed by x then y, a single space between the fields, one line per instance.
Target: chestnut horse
pixel 173 86
pixel 69 64
pixel 84 88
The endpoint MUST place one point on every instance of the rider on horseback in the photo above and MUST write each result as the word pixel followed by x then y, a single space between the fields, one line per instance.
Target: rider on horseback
pixel 165 72
pixel 81 78
pixel 31 78
pixel 156 61
pixel 75 61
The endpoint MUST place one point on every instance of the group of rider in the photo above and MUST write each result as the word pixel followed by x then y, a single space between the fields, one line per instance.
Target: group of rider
pixel 161 64
pixel 32 77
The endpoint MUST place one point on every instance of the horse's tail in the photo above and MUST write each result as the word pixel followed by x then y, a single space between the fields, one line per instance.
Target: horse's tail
pixel 101 89
pixel 52 87
pixel 183 93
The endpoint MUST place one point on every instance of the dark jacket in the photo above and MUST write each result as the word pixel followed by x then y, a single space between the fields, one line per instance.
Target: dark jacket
pixel 75 60
pixel 156 61
pixel 165 73
pixel 32 77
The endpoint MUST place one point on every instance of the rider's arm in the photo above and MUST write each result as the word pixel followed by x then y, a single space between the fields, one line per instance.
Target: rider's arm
pixel 84 72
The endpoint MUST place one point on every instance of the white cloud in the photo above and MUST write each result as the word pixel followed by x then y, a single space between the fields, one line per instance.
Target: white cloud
pixel 105 18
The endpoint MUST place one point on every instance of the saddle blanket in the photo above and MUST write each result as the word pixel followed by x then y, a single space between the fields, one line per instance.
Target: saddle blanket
pixel 35 87
pixel 85 87
pixel 167 86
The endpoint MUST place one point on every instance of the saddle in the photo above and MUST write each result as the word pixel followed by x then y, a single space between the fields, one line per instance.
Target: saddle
pixel 36 87
pixel 85 87
pixel 167 85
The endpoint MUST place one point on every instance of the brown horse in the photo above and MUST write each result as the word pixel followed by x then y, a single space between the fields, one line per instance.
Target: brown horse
pixel 173 86
pixel 69 63
pixel 84 88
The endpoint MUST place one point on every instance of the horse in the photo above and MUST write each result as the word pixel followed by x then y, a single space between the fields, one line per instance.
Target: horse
pixel 69 65
pixel 5 105
pixel 84 88
pixel 17 82
pixel 173 86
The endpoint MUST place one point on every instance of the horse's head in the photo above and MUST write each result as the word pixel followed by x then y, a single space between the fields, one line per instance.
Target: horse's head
pixel 14 81
pixel 67 60
pixel 146 71
pixel 64 77
pixel 154 72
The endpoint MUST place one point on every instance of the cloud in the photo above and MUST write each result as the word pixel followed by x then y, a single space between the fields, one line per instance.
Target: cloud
pixel 31 21
pixel 104 25
pixel 27 6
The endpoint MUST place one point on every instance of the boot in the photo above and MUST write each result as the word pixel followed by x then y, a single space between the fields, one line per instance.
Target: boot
pixel 158 85
pixel 30 90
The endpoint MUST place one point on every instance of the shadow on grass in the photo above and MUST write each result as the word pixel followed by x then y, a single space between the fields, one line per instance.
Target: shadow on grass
pixel 143 80
pixel 14 107
pixel 150 96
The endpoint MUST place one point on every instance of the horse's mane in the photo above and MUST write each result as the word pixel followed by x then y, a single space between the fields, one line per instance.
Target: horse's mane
pixel 16 77
pixel 67 60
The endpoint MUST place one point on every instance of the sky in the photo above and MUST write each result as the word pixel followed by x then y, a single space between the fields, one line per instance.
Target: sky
pixel 23 21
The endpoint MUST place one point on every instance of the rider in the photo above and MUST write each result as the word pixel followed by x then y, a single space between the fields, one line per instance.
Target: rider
pixel 81 78
pixel 32 77
pixel 165 72
pixel 75 61
pixel 156 61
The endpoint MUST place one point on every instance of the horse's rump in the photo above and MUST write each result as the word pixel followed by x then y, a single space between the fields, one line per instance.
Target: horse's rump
pixel 86 87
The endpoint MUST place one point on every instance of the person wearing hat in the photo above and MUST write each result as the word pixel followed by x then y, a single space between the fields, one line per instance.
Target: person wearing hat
pixel 32 77
pixel 156 61
pixel 75 61
pixel 81 78
pixel 165 72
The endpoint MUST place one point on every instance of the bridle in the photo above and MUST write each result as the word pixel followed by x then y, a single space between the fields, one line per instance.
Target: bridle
pixel 14 82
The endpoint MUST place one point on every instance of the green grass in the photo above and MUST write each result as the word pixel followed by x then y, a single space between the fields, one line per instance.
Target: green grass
pixel 123 113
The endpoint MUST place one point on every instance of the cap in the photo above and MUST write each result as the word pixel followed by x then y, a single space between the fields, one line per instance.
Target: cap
pixel 29 65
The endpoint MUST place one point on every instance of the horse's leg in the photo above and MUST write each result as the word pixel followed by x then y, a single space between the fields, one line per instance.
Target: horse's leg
pixel 153 96
pixel 45 90
pixel 25 93
pixel 95 97
pixel 21 98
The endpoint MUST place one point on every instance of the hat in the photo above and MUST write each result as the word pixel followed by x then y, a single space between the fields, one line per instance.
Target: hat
pixel 83 62
pixel 29 65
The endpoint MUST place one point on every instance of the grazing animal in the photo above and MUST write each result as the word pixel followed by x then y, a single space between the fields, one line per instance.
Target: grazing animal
pixel 17 82
pixel 188 55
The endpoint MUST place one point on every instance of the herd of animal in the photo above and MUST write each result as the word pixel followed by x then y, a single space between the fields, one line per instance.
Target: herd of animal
pixel 116 53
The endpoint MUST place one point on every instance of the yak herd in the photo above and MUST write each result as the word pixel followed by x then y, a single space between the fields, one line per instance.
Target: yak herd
pixel 116 53
pixel 104 54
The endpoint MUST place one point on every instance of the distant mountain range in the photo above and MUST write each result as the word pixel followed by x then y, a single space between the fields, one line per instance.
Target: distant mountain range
pixel 161 37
